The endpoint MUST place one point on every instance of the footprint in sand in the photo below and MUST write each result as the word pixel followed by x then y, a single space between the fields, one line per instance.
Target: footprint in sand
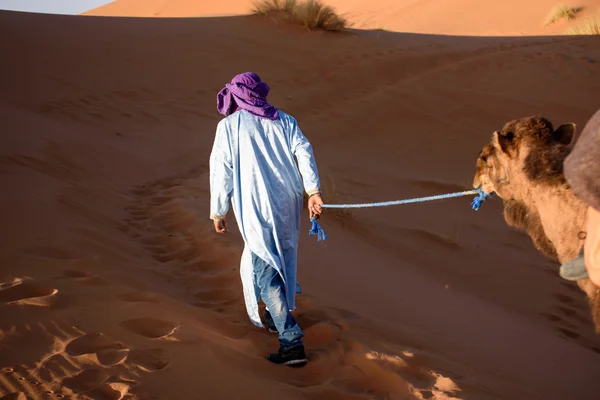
pixel 151 328
pixel 26 293
pixel 111 353
pixel 95 383
pixel 321 335
pixel 112 357
pixel 149 360
pixel 92 343
pixel 114 391
pixel 86 380
pixel 402 366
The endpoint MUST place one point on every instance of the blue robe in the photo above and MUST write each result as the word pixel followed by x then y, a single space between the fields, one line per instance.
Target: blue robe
pixel 252 164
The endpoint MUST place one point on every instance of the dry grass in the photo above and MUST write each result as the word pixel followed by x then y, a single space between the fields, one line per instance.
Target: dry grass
pixel 312 14
pixel 562 11
pixel 591 26
pixel 265 7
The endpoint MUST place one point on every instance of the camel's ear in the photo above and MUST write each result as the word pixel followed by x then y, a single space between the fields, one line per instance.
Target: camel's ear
pixel 564 134
pixel 504 141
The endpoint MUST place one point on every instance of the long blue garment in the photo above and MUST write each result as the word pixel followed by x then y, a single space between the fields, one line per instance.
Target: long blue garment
pixel 252 163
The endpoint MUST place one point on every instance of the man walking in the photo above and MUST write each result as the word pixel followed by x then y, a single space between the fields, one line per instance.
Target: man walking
pixel 252 164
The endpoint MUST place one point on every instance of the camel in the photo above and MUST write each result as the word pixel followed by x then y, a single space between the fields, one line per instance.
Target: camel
pixel 523 165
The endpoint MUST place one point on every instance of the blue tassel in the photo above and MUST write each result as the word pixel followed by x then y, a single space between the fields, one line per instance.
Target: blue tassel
pixel 317 230
pixel 482 196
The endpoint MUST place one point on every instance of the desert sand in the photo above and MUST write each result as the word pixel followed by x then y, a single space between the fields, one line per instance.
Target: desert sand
pixel 445 17
pixel 114 286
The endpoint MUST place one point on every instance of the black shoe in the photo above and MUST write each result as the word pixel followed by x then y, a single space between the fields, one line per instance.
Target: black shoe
pixel 293 357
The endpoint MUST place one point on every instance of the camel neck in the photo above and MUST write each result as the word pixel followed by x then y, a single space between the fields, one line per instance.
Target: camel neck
pixel 563 218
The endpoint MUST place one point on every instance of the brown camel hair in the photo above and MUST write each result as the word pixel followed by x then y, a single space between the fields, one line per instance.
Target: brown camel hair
pixel 523 165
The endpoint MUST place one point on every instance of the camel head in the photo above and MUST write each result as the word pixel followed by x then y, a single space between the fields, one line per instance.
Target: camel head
pixel 523 160
pixel 527 151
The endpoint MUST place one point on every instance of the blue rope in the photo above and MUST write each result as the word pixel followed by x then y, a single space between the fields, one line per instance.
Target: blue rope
pixel 475 204
pixel 316 229
pixel 481 197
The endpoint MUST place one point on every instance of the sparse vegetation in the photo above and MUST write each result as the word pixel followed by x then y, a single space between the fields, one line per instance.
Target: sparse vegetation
pixel 562 11
pixel 265 7
pixel 591 26
pixel 312 14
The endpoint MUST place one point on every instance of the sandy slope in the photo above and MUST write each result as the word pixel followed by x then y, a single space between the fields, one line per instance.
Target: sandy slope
pixel 456 17
pixel 113 286
pixel 461 17
pixel 165 8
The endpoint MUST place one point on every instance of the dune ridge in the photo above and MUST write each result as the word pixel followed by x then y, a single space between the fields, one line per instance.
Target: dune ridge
pixel 459 17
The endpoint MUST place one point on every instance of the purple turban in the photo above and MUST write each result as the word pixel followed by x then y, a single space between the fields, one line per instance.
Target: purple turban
pixel 247 92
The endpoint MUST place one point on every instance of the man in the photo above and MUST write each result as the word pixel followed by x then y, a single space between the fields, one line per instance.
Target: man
pixel 582 171
pixel 252 163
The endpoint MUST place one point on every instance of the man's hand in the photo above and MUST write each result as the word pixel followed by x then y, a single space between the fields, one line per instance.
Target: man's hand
pixel 314 206
pixel 221 226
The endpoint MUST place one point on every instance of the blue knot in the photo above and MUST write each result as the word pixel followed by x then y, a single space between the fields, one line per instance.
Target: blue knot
pixel 317 230
pixel 481 197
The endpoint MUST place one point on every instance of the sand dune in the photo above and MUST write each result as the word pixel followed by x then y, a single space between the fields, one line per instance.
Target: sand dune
pixel 461 17
pixel 113 286
pixel 457 17
pixel 164 8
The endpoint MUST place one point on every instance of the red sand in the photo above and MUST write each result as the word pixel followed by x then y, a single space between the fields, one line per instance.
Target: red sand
pixel 114 286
